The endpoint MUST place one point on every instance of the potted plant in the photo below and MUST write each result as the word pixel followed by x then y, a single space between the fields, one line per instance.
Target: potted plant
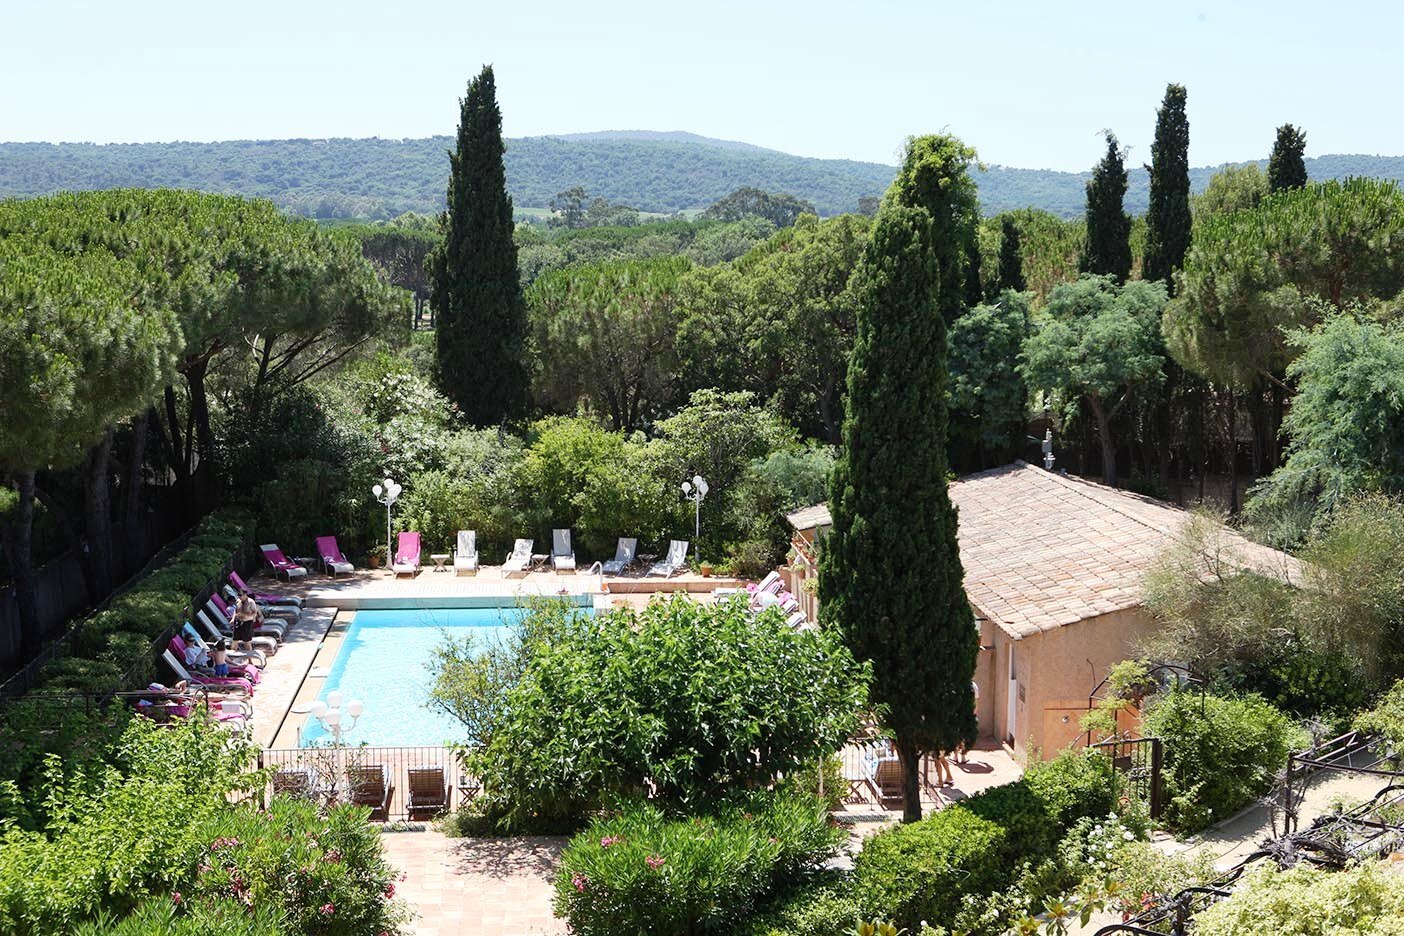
pixel 375 557
pixel 706 568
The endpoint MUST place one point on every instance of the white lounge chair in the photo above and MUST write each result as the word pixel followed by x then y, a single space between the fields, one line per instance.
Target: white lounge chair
pixel 274 629
pixel 254 657
pixel 677 552
pixel 264 642
pixel 623 555
pixel 223 684
pixel 519 558
pixel 465 557
pixel 286 612
pixel 562 556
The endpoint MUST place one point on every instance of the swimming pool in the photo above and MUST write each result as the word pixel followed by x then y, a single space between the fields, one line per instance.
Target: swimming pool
pixel 384 662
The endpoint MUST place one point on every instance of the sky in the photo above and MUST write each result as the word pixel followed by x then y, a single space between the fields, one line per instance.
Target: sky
pixel 1028 84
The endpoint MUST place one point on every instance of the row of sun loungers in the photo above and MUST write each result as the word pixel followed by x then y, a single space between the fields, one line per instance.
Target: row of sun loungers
pixel 369 785
pixel 409 551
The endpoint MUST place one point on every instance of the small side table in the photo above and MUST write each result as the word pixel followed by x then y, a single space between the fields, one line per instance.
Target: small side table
pixel 439 560
pixel 310 563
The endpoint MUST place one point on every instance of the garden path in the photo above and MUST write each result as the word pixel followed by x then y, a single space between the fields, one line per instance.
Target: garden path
pixel 477 886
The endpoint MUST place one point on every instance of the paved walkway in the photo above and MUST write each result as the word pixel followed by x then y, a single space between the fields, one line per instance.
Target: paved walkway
pixel 476 887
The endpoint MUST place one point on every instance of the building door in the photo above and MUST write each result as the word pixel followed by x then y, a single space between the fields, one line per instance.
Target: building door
pixel 1012 694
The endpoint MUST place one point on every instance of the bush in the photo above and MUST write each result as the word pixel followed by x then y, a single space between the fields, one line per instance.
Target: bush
pixel 1220 753
pixel 1363 901
pixel 88 676
pixel 825 906
pixel 641 871
pixel 687 698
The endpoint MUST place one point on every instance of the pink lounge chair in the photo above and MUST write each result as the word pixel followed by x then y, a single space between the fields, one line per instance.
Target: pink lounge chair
pixel 407 554
pixel 224 614
pixel 177 665
pixel 248 673
pixel 281 564
pixel 333 559
pixel 290 613
pixel 238 582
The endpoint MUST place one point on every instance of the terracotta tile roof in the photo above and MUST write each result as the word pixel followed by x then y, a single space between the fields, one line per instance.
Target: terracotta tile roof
pixel 1042 550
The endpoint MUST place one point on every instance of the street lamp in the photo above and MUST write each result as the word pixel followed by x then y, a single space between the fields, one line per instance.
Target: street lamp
pixel 334 717
pixel 387 494
pixel 696 489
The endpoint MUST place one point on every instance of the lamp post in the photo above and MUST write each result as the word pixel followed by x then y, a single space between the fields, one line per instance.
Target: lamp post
pixel 696 489
pixel 336 718
pixel 387 494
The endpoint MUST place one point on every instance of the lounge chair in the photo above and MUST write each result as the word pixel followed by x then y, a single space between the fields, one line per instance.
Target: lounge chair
pixel 197 680
pixel 772 583
pixel 294 782
pixel 519 558
pixel 333 559
pixel 562 556
pixel 245 671
pixel 406 554
pixel 239 584
pixel 465 557
pixel 265 643
pixel 799 621
pixel 623 555
pixel 280 564
pixel 887 777
pixel 428 793
pixel 677 552
pixel 235 658
pixel 288 613
pixel 224 615
pixel 370 786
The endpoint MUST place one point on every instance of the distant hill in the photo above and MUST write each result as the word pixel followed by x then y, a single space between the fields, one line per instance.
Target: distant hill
pixel 652 171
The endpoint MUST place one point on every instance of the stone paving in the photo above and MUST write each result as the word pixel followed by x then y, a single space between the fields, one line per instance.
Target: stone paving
pixel 475 887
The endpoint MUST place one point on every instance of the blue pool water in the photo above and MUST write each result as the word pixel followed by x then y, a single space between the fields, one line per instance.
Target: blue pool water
pixel 384 662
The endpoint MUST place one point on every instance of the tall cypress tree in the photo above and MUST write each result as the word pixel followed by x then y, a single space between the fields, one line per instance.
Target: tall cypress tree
pixel 477 298
pixel 1011 262
pixel 891 581
pixel 1168 218
pixel 1108 224
pixel 1287 165
pixel 935 175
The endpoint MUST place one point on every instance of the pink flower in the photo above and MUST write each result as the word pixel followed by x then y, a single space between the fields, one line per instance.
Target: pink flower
pixel 176 898
pixel 609 840
pixel 334 856
pixel 654 861
pixel 328 909
pixel 389 891
pixel 578 880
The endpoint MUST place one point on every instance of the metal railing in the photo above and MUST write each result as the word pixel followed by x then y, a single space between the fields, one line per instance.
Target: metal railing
pixel 397 783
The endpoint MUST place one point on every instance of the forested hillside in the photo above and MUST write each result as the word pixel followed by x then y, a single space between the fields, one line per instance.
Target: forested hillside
pixel 657 172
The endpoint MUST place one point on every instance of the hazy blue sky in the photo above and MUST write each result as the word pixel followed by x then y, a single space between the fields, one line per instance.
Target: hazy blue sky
pixel 1027 83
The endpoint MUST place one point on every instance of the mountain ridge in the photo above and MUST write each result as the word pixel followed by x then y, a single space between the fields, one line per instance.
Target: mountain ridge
pixel 657 171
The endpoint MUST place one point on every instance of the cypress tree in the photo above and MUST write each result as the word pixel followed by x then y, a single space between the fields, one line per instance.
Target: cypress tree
pixel 479 311
pixel 1168 218
pixel 1011 262
pixel 1287 165
pixel 891 581
pixel 1108 224
pixel 935 176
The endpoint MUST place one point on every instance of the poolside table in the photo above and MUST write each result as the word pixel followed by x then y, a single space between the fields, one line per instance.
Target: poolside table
pixel 439 560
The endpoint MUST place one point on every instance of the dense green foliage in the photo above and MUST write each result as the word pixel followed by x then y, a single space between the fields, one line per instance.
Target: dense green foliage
pixel 1168 217
pixel 1108 250
pixel 480 315
pixel 693 700
pixel 780 209
pixel 891 580
pixel 1221 753
pixel 1363 901
pixel 1286 167
pixel 640 870
pixel 935 176
pixel 155 823
pixel 1010 274
pixel 988 398
pixel 375 178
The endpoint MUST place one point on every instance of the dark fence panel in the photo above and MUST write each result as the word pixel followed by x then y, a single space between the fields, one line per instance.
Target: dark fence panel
pixel 398 783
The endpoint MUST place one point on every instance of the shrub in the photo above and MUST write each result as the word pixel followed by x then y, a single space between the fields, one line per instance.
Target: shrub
pixel 1363 901
pixel 1220 753
pixel 88 676
pixel 641 871
pixel 825 906
pixel 1075 785
pixel 691 699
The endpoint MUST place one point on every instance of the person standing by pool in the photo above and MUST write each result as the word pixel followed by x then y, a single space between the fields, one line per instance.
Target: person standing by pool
pixel 246 617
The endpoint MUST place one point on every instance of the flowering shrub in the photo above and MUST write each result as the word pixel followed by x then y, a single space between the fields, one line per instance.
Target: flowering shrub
pixel 1364 901
pixel 639 870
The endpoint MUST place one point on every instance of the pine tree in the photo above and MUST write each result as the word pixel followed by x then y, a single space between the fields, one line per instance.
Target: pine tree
pixel 1287 165
pixel 1108 224
pixel 1168 218
pixel 1011 262
pixel 477 295
pixel 891 581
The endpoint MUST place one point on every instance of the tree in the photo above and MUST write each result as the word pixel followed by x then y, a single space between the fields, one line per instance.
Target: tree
pixel 935 176
pixel 478 305
pixel 607 334
pixel 1108 225
pixel 1232 188
pixel 1098 343
pixel 568 208
pixel 988 397
pixel 1168 217
pixel 890 575
pixel 1011 265
pixel 1287 165
pixel 780 209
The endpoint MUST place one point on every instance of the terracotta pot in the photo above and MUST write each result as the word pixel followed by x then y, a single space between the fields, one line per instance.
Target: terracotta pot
pixel 373 562
pixel 706 570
